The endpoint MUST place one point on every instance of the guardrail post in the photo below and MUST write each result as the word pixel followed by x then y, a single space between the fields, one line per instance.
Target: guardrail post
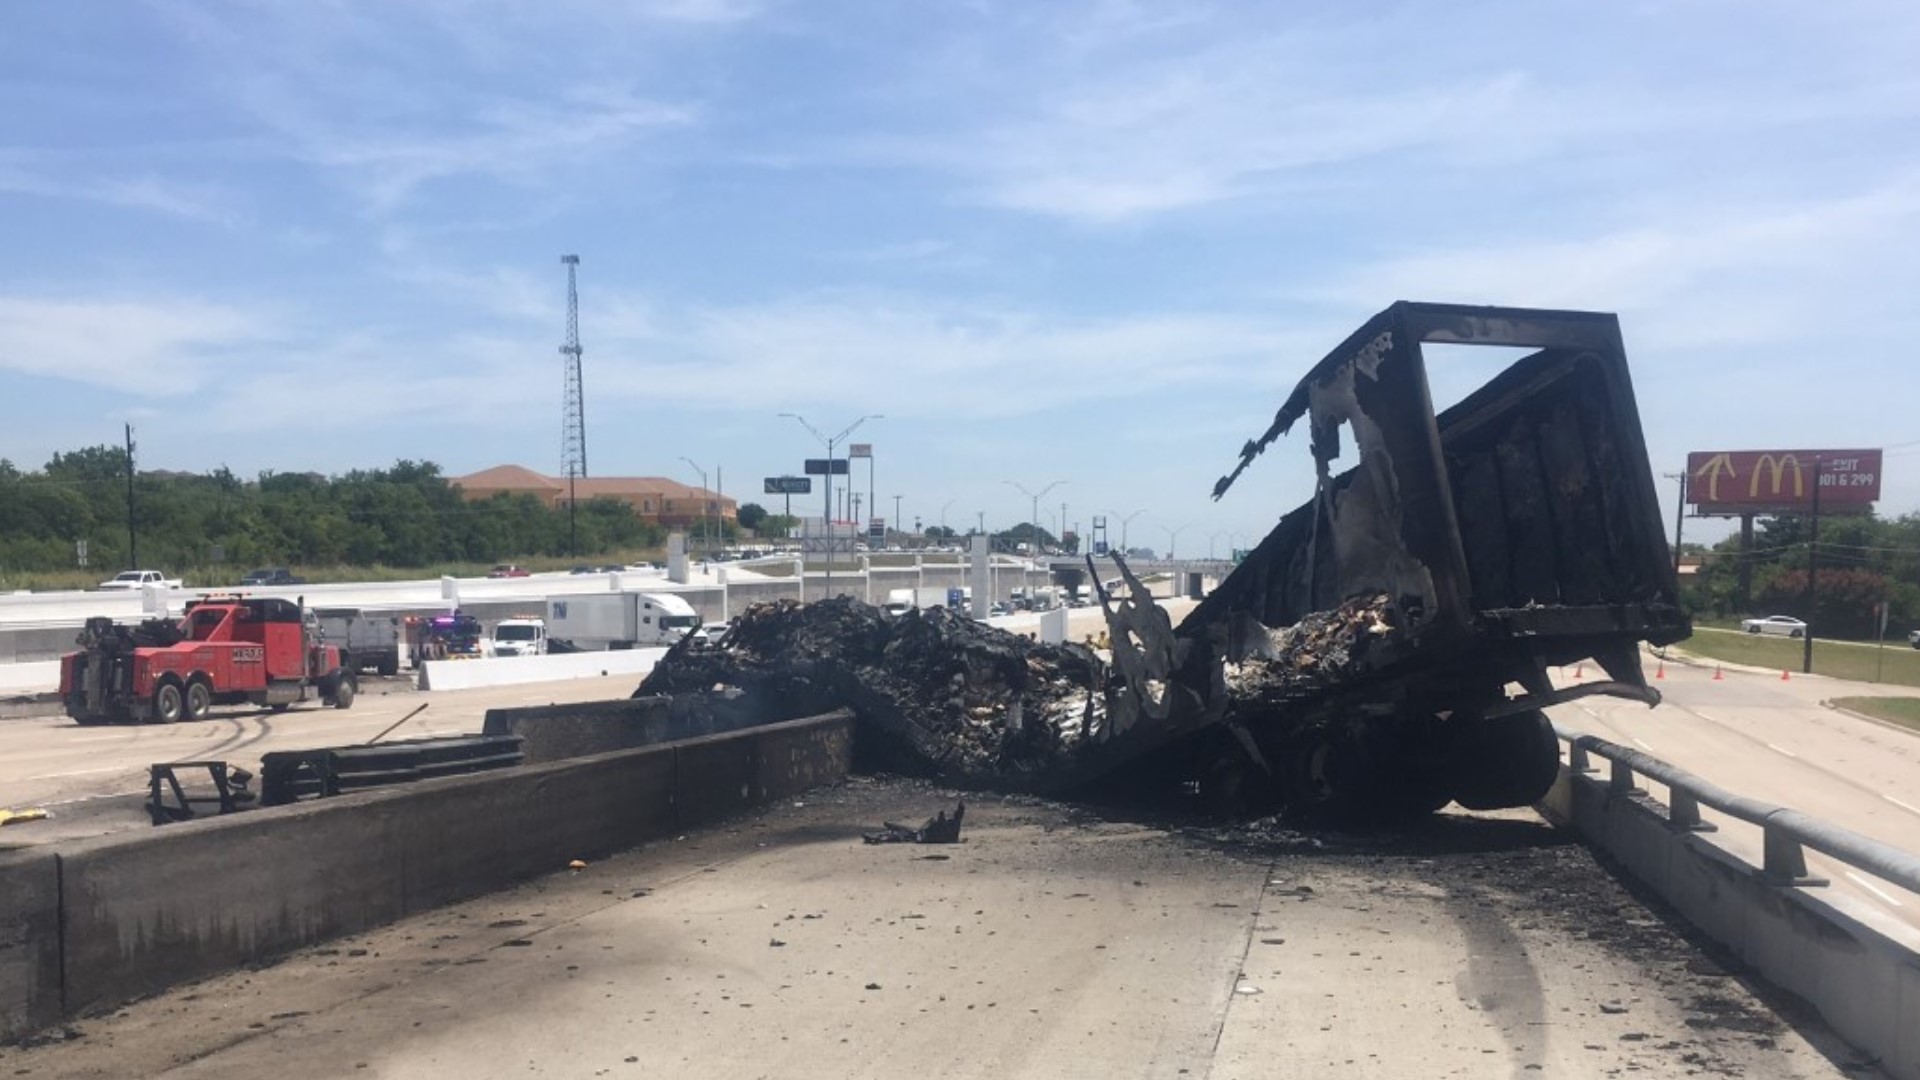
pixel 1786 860
pixel 1620 779
pixel 1577 760
pixel 1683 811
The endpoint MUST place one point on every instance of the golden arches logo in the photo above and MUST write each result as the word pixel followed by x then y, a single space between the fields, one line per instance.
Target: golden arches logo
pixel 1779 466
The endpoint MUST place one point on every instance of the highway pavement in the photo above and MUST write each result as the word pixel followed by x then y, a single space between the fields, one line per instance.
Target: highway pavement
pixel 1773 740
pixel 1052 943
pixel 90 777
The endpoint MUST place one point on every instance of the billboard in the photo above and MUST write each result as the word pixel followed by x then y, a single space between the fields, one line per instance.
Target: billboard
pixel 860 449
pixel 789 485
pixel 1781 481
pixel 877 529
pixel 826 466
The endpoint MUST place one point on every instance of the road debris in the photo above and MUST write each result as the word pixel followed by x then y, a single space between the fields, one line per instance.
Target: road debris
pixel 939 829
pixel 934 691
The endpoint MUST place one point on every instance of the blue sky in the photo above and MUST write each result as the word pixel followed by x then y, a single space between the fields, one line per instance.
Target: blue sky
pixel 1094 242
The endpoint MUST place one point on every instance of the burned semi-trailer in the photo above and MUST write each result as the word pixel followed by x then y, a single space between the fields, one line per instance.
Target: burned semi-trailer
pixel 1388 645
pixel 1386 649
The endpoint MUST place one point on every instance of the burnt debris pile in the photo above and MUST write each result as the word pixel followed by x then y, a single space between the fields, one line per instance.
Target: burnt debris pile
pixel 1317 652
pixel 935 693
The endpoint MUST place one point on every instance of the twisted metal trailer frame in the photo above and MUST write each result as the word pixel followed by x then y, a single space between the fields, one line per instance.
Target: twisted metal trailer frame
pixel 1516 531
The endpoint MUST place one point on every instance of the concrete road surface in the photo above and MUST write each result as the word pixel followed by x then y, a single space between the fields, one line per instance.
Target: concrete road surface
pixel 52 762
pixel 1052 943
pixel 1759 736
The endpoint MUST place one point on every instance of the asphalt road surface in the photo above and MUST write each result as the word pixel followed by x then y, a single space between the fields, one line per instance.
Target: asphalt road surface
pixel 1051 943
pixel 1773 740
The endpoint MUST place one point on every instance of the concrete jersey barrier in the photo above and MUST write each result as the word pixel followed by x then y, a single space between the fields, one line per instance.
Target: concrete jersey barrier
pixel 553 667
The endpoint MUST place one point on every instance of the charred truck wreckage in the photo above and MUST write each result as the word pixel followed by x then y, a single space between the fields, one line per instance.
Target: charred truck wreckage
pixel 1384 651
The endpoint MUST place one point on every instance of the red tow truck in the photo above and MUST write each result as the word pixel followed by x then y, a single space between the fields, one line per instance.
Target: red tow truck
pixel 225 650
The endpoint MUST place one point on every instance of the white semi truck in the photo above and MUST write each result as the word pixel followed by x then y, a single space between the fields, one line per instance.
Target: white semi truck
pixel 618 620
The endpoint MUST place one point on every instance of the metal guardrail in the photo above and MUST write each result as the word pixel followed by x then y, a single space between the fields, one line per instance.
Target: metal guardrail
pixel 1786 832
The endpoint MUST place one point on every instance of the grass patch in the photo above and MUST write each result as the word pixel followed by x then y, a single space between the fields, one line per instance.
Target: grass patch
pixel 1904 711
pixel 1898 663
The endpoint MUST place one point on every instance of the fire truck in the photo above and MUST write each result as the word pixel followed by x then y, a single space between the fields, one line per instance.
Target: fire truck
pixel 225 650
pixel 444 637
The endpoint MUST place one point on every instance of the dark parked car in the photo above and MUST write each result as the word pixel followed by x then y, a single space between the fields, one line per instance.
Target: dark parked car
pixel 272 575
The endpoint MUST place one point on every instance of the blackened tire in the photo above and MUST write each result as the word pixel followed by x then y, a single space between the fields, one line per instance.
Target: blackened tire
pixel 1797 633
pixel 1329 776
pixel 169 704
pixel 1506 762
pixel 344 691
pixel 199 700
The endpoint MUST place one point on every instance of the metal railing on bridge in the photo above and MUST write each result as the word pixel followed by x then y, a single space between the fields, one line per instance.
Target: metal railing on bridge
pixel 1786 833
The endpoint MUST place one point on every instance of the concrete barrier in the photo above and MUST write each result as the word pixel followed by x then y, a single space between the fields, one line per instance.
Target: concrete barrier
pixel 29 943
pixel 98 922
pixel 556 667
pixel 142 911
pixel 555 732
pixel 1859 968
pixel 30 678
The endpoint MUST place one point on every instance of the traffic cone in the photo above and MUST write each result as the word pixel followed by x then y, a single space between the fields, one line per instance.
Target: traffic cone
pixel 1717 677
pixel 1661 671
pixel 1579 672
pixel 1784 677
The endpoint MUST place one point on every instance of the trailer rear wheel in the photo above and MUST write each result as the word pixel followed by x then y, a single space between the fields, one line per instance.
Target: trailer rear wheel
pixel 199 700
pixel 344 690
pixel 1505 762
pixel 168 703
pixel 389 664
pixel 1329 775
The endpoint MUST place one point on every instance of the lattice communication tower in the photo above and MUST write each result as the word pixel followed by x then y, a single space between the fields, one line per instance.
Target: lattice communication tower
pixel 573 406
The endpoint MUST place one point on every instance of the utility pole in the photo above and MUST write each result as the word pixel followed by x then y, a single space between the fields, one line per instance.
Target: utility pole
pixel 1679 517
pixel 1813 569
pixel 573 405
pixel 133 537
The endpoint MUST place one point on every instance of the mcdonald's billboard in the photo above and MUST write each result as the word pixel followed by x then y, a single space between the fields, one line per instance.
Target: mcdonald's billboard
pixel 1781 481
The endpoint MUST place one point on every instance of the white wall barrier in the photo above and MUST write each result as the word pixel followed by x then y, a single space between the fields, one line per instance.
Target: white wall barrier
pixel 515 670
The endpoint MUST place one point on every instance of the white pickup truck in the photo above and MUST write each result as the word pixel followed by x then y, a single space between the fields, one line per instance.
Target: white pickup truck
pixel 128 580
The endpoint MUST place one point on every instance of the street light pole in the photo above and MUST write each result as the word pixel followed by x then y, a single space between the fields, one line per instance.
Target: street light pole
pixel 1033 523
pixel 828 493
pixel 1124 519
pixel 896 515
pixel 705 528
pixel 1173 537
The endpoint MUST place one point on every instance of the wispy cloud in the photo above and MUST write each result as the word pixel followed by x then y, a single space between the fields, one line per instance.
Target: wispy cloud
pixel 516 141
pixel 1706 277
pixel 197 202
pixel 157 347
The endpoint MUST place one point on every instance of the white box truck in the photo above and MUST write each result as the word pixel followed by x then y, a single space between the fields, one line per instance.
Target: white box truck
pixel 522 635
pixel 622 620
